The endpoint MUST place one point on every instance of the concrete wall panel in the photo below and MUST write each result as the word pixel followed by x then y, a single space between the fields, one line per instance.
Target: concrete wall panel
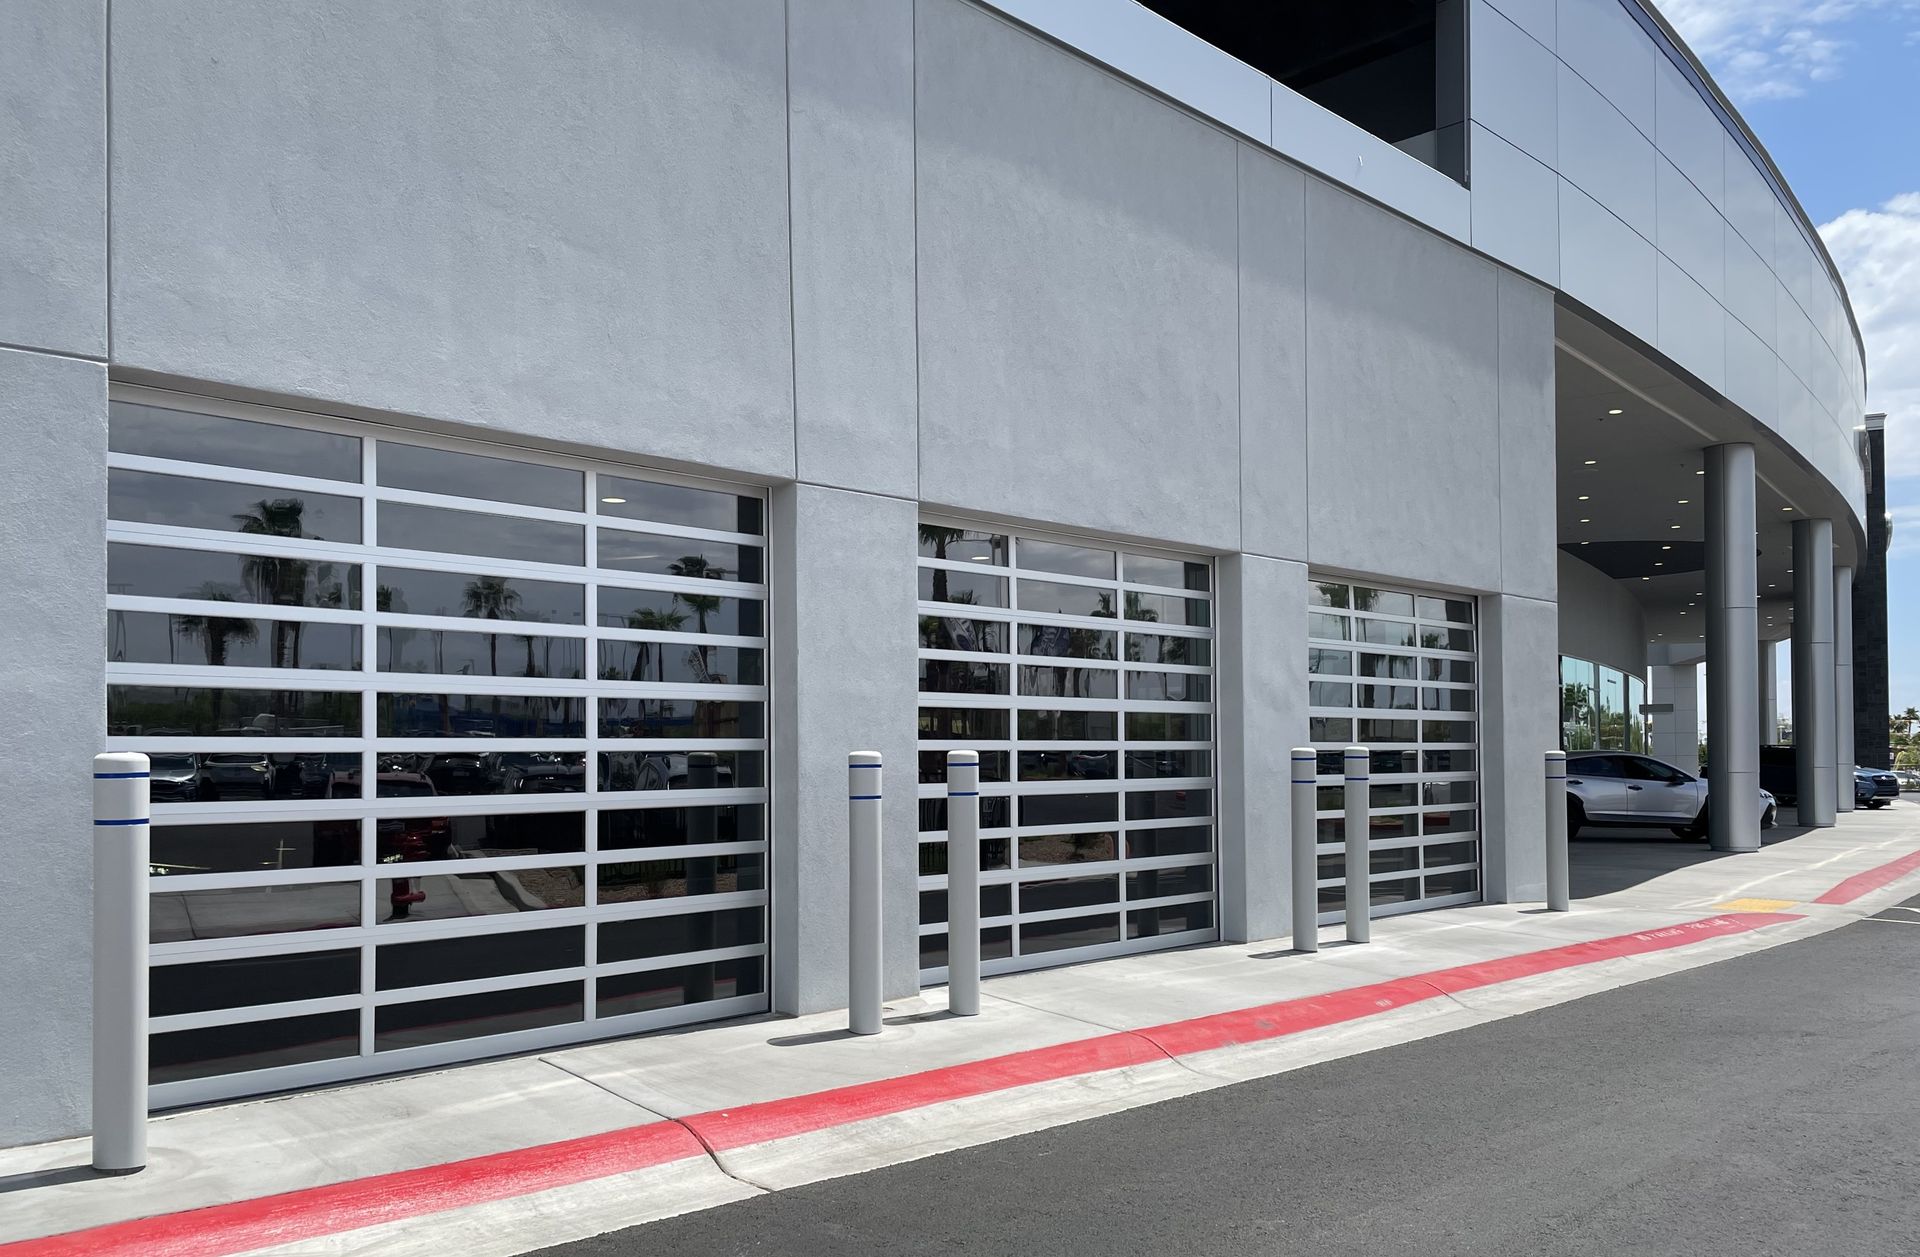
pixel 555 219
pixel 1688 132
pixel 1537 18
pixel 1079 300
pixel 1603 154
pixel 1273 346
pixel 1402 342
pixel 1528 516
pixel 1605 264
pixel 1514 86
pixel 53 182
pixel 53 491
pixel 850 67
pixel 1609 50
pixel 1692 326
pixel 1516 207
pixel 1600 621
pixel 1749 204
pixel 1519 643
pixel 1750 286
pixel 1691 232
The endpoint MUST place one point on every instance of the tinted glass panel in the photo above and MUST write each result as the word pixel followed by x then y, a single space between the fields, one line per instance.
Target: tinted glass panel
pixel 177 916
pixel 230 641
pixel 673 879
pixel 1153 648
pixel 415 591
pixel 183 1054
pixel 1327 594
pixel 283 580
pixel 1066 765
pixel 993 765
pixel 680 718
pixel 1069 849
pixel 408 527
pixel 472 1016
pixel 679 556
pixel 144 497
pixel 973 589
pixel 1168 609
pixel 134 428
pixel 962 544
pixel 214 776
pixel 1382 602
pixel 1069 682
pixel 963 722
pixel 620 994
pixel 479 476
pixel 962 676
pixel 1051 556
pixel 939 632
pixel 252 980
pixel 166 712
pixel 1173 573
pixel 453 896
pixel 243 847
pixel 411 838
pixel 1064 599
pixel 1156 804
pixel 1068 726
pixel 680 613
pixel 678 504
pixel 480 654
pixel 1068 809
pixel 1064 642
pixel 1331 627
pixel 479 771
pixel 1046 936
pixel 437 960
pixel 1385 632
pixel 1170 919
pixel 1068 892
pixel 1173 840
pixel 1168 763
pixel 681 826
pixel 1171 687
pixel 1162 726
pixel 670 770
pixel 1194 879
pixel 643 938
pixel 481 716
pixel 996 943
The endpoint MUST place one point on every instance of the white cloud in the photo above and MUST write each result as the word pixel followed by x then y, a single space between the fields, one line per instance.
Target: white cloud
pixel 1769 49
pixel 1878 253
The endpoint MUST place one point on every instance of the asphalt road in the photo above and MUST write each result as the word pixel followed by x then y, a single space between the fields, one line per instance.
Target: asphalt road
pixel 1767 1104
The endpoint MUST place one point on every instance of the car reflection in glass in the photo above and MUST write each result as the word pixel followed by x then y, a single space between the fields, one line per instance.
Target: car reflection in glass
pixel 176 778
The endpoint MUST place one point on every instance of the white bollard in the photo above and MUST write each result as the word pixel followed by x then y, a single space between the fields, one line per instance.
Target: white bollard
pixel 863 892
pixel 1306 857
pixel 1359 773
pixel 963 883
pixel 1559 879
pixel 121 845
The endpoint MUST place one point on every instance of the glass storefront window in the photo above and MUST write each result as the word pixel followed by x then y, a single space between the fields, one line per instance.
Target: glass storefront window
pixel 1578 727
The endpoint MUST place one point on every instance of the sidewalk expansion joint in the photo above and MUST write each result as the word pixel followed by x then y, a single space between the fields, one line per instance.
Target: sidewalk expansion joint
pixel 698 1138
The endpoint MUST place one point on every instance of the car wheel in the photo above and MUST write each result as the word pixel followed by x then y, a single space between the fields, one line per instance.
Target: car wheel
pixel 1697 830
pixel 1576 817
pixel 1767 818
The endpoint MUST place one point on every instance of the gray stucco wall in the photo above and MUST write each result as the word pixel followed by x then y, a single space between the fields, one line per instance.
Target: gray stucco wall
pixel 1599 619
pixel 53 639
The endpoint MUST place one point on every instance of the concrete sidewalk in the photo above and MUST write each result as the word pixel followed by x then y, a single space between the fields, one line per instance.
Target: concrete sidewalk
pixel 509 1155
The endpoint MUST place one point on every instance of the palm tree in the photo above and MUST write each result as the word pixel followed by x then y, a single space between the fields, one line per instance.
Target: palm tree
pixel 939 538
pixel 277 579
pixel 702 605
pixel 668 621
pixel 491 598
pixel 215 631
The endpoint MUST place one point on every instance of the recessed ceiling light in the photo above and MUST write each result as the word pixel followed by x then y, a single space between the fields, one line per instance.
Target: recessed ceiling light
pixel 979 558
pixel 1659 564
pixel 1674 527
pixel 1590 462
pixel 614 501
pixel 1585 496
pixel 1586 543
pixel 1701 472
pixel 1666 547
pixel 1615 411
pixel 1786 508
pixel 1646 578
pixel 1586 521
pixel 1682 502
pixel 1769 586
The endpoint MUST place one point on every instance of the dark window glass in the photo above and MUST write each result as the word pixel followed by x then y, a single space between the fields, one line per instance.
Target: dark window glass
pixel 408 527
pixel 1388 697
pixel 1397 860
pixel 1446 700
pixel 1068 726
pixel 618 995
pixel 1382 602
pixel 1395 892
pixel 1441 854
pixel 1323 729
pixel 681 718
pixel 1145 805
pixel 1168 763
pixel 1447 731
pixel 1068 765
pixel 1166 726
pixel 1170 919
pixel 256 845
pixel 1068 849
pixel 481 716
pixel 183 1054
pixel 1170 687
pixel 1069 892
pixel 680 663
pixel 1051 556
pixel 1194 879
pixel 995 901
pixel 971 589
pixel 670 770
pixel 1168 609
pixel 1173 573
pixel 134 428
pixel 411 775
pixel 168 712
pixel 145 497
pixel 398 1026
pixel 1387 730
pixel 1329 694
pixel 1329 662
pixel 215 576
pixel 996 943
pixel 1045 682
pixel 1045 936
pixel 1327 594
pixel 1174 840
pixel 1335 628
pixel 1058 641
pixel 662 611
pixel 244 911
pixel 1386 632
pixel 1387 762
pixel 995 813
pixel 1454 821
pixel 679 556
pixel 672 879
pixel 993 765
pixel 1392 667
pixel 962 676
pixel 1458 610
pixel 1447 761
pixel 252 980
pixel 480 654
pixel 452 896
pixel 1396 794
pixel 962 544
pixel 1447 792
pixel 416 591
pixel 478 476
pixel 944 632
pixel 933 856
pixel 437 960
pixel 681 826
pixel 1446 639
pixel 411 838
pixel 1155 648
pixel 210 776
pixel 230 641
pixel 643 938
pixel 1461 882
pixel 1068 809
pixel 658 503
pixel 1446 670
pixel 988 724
pixel 1065 599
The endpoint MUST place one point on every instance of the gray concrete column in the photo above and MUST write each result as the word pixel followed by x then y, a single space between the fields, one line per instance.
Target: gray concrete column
pixel 1769 693
pixel 1733 667
pixel 1519 723
pixel 1843 689
pixel 1676 731
pixel 1813 702
pixel 1262 716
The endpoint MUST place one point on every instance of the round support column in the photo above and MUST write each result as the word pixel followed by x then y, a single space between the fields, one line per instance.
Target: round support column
pixel 1733 652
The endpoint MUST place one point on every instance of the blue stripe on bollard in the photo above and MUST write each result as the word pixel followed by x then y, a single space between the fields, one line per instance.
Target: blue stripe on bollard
pixel 963 794
pixel 119 776
pixel 863 798
pixel 141 820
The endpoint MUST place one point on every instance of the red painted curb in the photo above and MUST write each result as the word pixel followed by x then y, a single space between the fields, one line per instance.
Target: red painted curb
pixel 232 1228
pixel 1871 880
pixel 363 1202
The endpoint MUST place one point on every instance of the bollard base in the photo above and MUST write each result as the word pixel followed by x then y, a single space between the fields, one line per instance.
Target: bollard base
pixel 104 1172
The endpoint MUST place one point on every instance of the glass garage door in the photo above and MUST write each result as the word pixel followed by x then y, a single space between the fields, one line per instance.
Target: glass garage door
pixel 1084 677
pixel 1395 670
pixel 456 750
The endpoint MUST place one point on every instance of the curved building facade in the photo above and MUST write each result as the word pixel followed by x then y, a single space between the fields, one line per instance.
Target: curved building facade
pixel 499 462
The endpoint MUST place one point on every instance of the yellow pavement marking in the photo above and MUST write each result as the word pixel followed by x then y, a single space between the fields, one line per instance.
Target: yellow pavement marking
pixel 1756 905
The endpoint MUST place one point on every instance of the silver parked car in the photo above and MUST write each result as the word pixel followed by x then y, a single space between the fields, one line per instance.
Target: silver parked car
pixel 1615 788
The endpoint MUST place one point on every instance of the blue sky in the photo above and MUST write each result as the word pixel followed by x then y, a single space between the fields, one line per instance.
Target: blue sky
pixel 1832 88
